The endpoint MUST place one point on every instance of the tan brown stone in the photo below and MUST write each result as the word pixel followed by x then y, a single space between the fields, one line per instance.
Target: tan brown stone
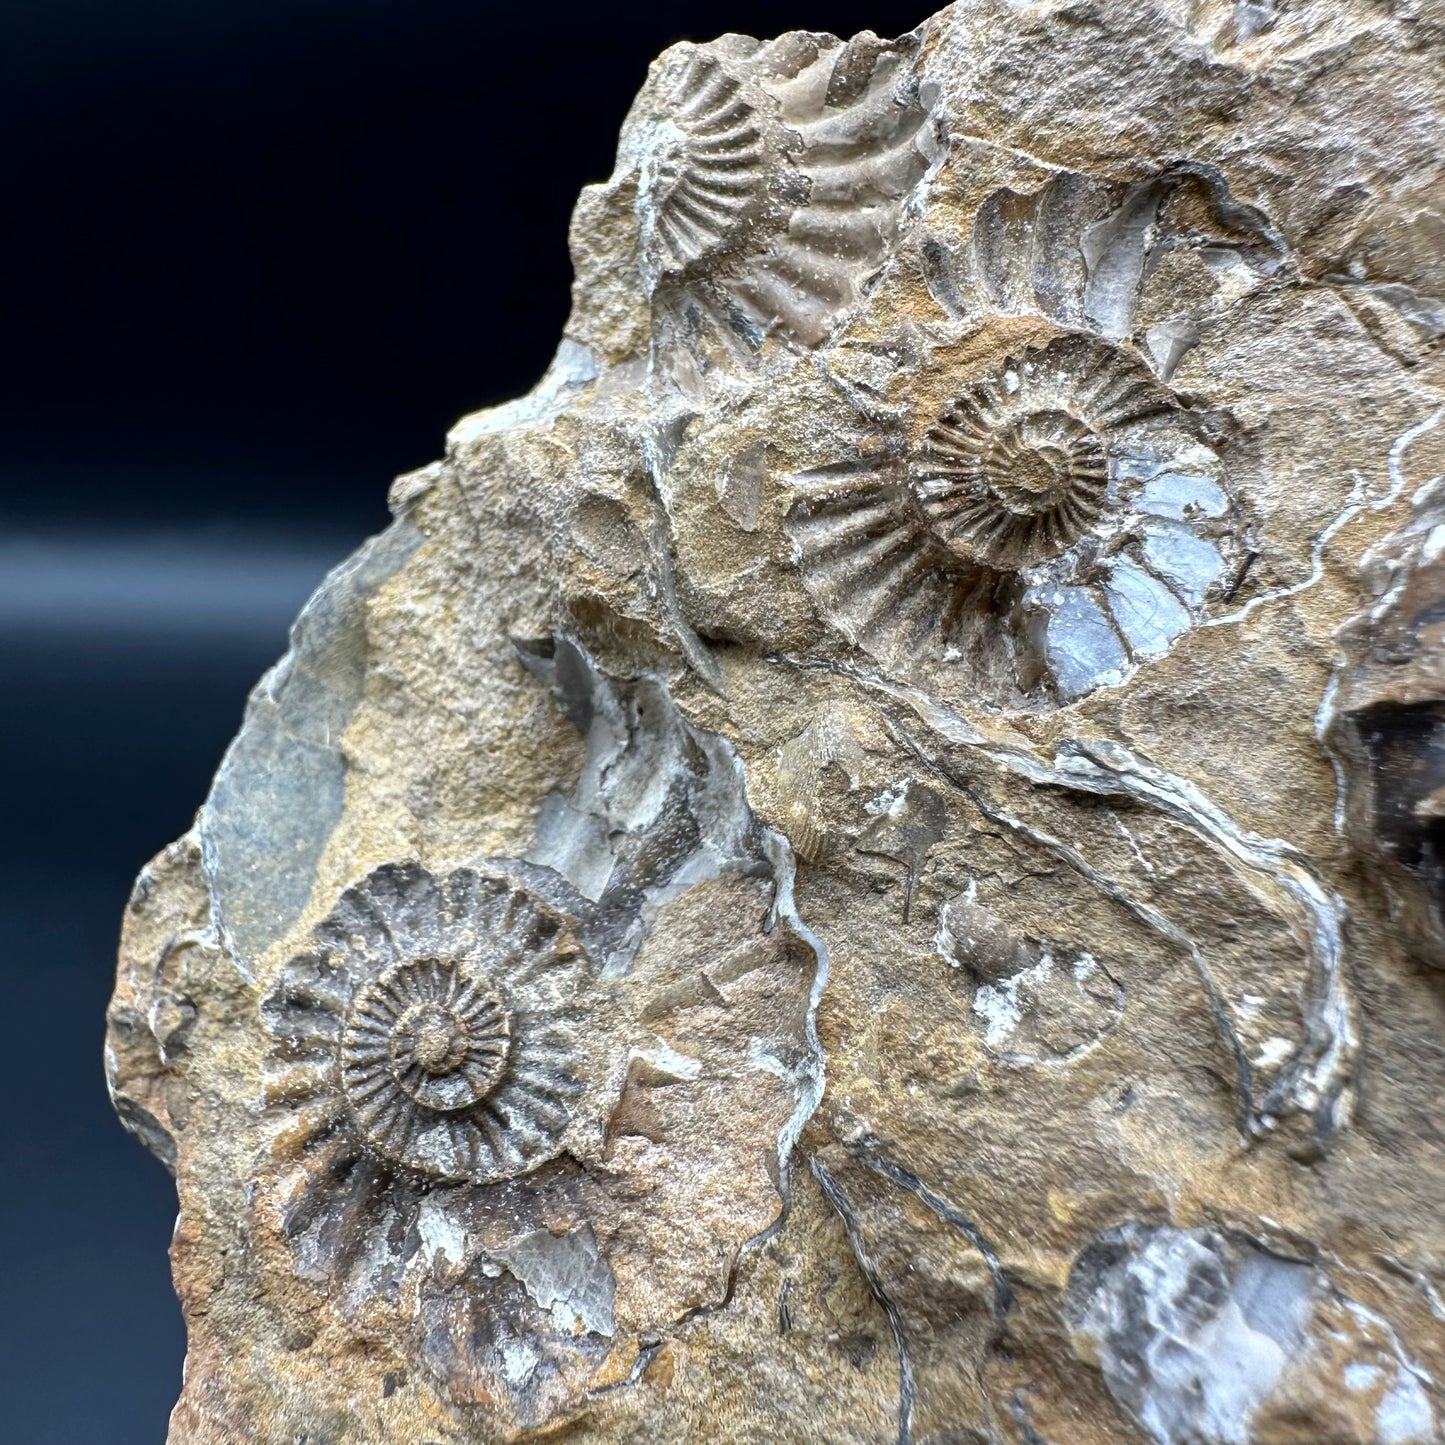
pixel 860 864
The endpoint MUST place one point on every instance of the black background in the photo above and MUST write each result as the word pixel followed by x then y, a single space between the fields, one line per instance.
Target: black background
pixel 256 258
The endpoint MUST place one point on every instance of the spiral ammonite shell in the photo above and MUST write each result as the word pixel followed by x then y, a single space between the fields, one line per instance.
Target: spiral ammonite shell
pixel 769 179
pixel 443 1019
pixel 423 1037
pixel 1011 495
pixel 1058 522
pixel 1016 470
pixel 706 173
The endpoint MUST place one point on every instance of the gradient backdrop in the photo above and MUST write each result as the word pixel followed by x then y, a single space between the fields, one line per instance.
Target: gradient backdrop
pixel 258 255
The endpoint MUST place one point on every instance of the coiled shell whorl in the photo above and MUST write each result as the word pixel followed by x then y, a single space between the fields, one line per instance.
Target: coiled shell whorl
pixel 708 170
pixel 447 1015
pixel 1016 469
pixel 1056 523
pixel 770 178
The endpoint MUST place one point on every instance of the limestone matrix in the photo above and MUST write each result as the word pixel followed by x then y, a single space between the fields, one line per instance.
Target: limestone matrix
pixel 865 862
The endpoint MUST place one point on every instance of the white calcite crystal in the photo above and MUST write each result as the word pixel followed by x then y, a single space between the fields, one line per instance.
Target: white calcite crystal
pixel 865 863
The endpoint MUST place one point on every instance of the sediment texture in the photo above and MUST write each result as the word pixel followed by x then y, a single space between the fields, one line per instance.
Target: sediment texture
pixel 864 863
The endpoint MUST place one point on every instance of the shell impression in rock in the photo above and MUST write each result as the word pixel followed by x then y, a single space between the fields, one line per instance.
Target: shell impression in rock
pixel 770 177
pixel 1056 524
pixel 1016 470
pixel 441 1021
pixel 1158 262
pixel 705 174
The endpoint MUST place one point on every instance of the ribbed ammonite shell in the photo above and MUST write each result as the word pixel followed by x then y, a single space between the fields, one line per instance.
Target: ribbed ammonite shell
pixel 1057 523
pixel 706 173
pixel 424 1031
pixel 769 179
pixel 1009 494
pixel 1016 470
pixel 442 1018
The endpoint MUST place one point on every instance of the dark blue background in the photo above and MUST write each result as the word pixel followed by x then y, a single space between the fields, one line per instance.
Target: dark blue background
pixel 256 257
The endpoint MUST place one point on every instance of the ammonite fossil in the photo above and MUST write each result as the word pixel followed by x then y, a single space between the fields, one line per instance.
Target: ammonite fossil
pixel 1057 523
pixel 1157 262
pixel 707 168
pixel 770 178
pixel 1016 470
pixel 442 1021
pixel 422 1039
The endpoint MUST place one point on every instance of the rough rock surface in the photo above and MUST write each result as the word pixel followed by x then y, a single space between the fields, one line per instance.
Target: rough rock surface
pixel 865 863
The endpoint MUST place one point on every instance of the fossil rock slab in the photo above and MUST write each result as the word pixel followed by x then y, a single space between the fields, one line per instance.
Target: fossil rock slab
pixel 864 863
